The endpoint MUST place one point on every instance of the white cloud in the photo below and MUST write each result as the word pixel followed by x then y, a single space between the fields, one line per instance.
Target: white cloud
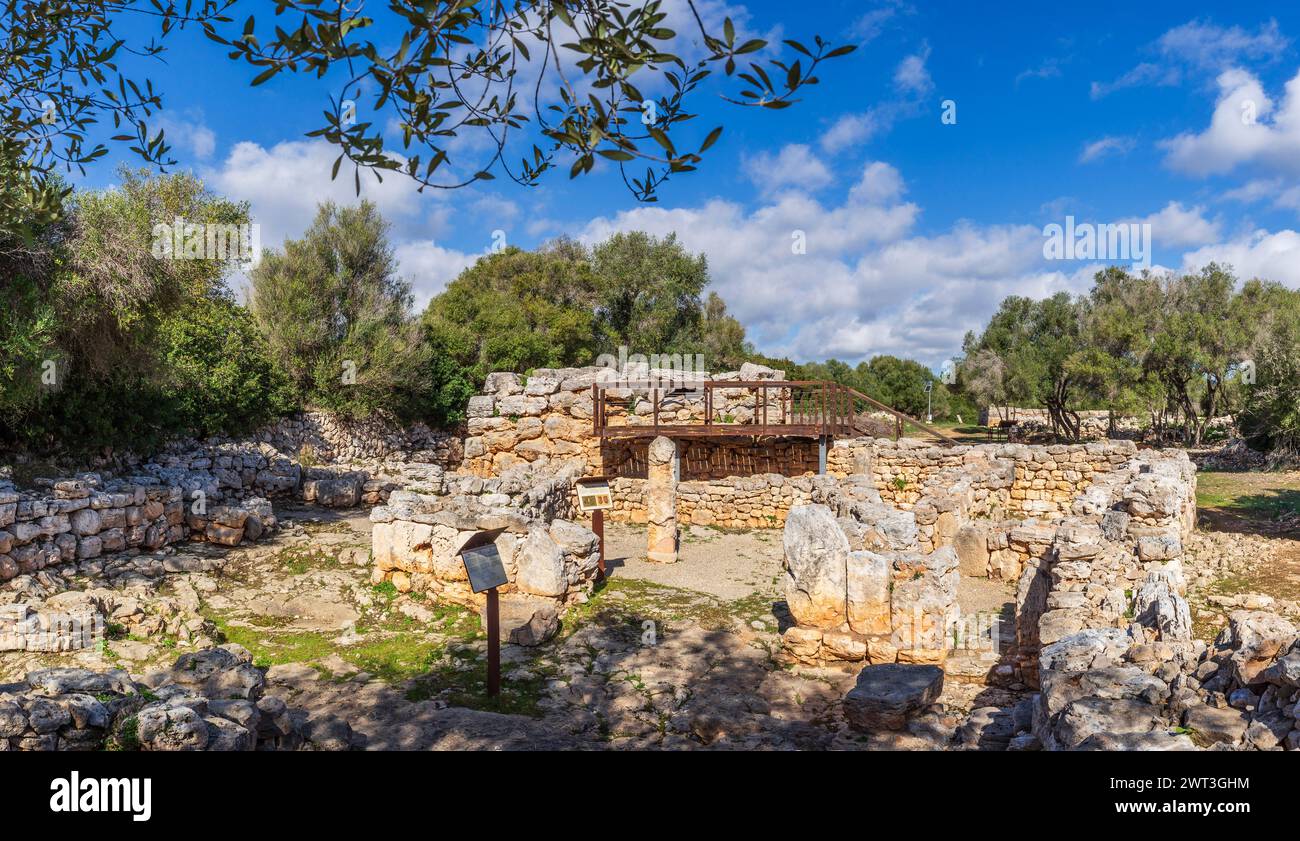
pixel 429 267
pixel 286 182
pixel 1175 226
pixel 868 283
pixel 1263 254
pixel 794 166
pixel 880 183
pixel 1211 47
pixel 1244 129
pixel 853 129
pixel 1098 149
pixel 1275 191
pixel 911 76
pixel 868 27
pixel 1049 69
pixel 912 83
pixel 1199 47
pixel 187 132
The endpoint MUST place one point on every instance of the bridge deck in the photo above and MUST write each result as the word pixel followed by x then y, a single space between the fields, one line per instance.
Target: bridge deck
pixel 775 408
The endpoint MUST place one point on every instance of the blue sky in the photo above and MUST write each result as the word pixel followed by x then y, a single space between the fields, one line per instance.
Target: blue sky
pixel 915 229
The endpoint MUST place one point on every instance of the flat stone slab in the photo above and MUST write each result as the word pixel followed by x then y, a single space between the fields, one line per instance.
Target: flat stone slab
pixel 886 694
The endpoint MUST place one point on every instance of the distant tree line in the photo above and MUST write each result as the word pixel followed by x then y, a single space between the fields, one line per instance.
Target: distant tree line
pixel 105 342
pixel 1175 349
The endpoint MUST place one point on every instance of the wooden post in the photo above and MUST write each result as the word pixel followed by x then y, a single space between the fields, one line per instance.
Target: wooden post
pixel 494 644
pixel 598 526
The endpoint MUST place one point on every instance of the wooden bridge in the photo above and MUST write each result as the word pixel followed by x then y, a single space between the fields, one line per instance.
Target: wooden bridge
pixel 779 408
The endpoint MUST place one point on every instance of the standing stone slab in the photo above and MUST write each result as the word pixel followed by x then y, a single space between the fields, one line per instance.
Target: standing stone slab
pixel 664 467
pixel 887 694
pixel 869 579
pixel 816 568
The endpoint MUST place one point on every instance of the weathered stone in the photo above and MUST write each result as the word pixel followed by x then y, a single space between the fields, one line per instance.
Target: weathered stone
pixel 1217 724
pixel 663 470
pixel 971 544
pixel 869 578
pixel 885 696
pixel 540 565
pixel 1254 639
pixel 816 565
pixel 526 620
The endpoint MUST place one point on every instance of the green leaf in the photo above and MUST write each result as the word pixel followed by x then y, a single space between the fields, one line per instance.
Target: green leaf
pixel 711 139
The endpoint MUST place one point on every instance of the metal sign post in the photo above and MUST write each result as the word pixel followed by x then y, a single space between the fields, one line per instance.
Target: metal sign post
pixel 595 496
pixel 486 573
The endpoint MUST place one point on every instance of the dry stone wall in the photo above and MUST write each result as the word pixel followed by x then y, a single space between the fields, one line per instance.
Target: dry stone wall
pixel 547 417
pixel 210 700
pixel 549 559
pixel 1113 560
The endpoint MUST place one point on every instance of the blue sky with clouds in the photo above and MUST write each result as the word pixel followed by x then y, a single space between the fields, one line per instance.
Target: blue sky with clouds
pixel 915 229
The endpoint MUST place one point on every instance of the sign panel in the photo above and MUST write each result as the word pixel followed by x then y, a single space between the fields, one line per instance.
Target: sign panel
pixel 594 495
pixel 483 562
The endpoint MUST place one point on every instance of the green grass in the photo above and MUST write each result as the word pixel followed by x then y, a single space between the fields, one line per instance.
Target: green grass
pixel 642 600
pixel 299 560
pixel 1254 495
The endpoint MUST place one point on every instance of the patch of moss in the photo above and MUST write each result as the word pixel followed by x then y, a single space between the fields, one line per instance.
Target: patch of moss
pixel 467 687
pixel 299 560
pixel 126 737
pixel 641 600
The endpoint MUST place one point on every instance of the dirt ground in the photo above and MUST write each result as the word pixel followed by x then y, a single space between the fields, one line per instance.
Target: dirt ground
pixel 727 564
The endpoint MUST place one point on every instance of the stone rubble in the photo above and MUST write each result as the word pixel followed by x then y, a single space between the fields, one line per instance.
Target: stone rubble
pixel 212 699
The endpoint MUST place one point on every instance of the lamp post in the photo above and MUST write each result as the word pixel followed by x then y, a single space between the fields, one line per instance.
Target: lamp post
pixel 929 395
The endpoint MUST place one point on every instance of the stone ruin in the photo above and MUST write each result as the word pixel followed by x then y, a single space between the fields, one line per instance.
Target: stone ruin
pixel 210 700
pixel 550 560
pixel 1092 535
pixel 118 523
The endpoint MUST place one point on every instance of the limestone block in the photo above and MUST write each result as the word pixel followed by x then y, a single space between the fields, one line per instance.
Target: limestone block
pixel 663 470
pixel 540 564
pixel 971 543
pixel 816 566
pixel 868 584
pixel 885 696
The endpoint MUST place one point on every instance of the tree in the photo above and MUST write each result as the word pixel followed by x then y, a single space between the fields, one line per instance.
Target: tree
pixel 1270 413
pixel 648 293
pixel 60 76
pixel 335 316
pixel 220 377
pixel 723 342
pixel 516 310
pixel 1023 357
pixel 1201 333
pixel 110 340
pixel 900 383
pixel 552 81
pixel 1117 317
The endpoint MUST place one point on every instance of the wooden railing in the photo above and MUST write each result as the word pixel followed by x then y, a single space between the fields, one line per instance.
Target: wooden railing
pixel 803 408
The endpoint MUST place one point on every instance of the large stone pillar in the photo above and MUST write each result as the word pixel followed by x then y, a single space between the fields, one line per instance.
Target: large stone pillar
pixel 663 469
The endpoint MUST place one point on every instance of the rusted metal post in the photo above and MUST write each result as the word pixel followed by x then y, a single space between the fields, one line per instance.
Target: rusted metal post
pixel 494 644
pixel 598 526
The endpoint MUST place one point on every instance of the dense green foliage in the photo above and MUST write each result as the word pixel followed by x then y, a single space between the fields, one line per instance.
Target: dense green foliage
pixel 1172 348
pixel 104 342
pixel 221 378
pixel 899 383
pixel 336 317
pixel 564 305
